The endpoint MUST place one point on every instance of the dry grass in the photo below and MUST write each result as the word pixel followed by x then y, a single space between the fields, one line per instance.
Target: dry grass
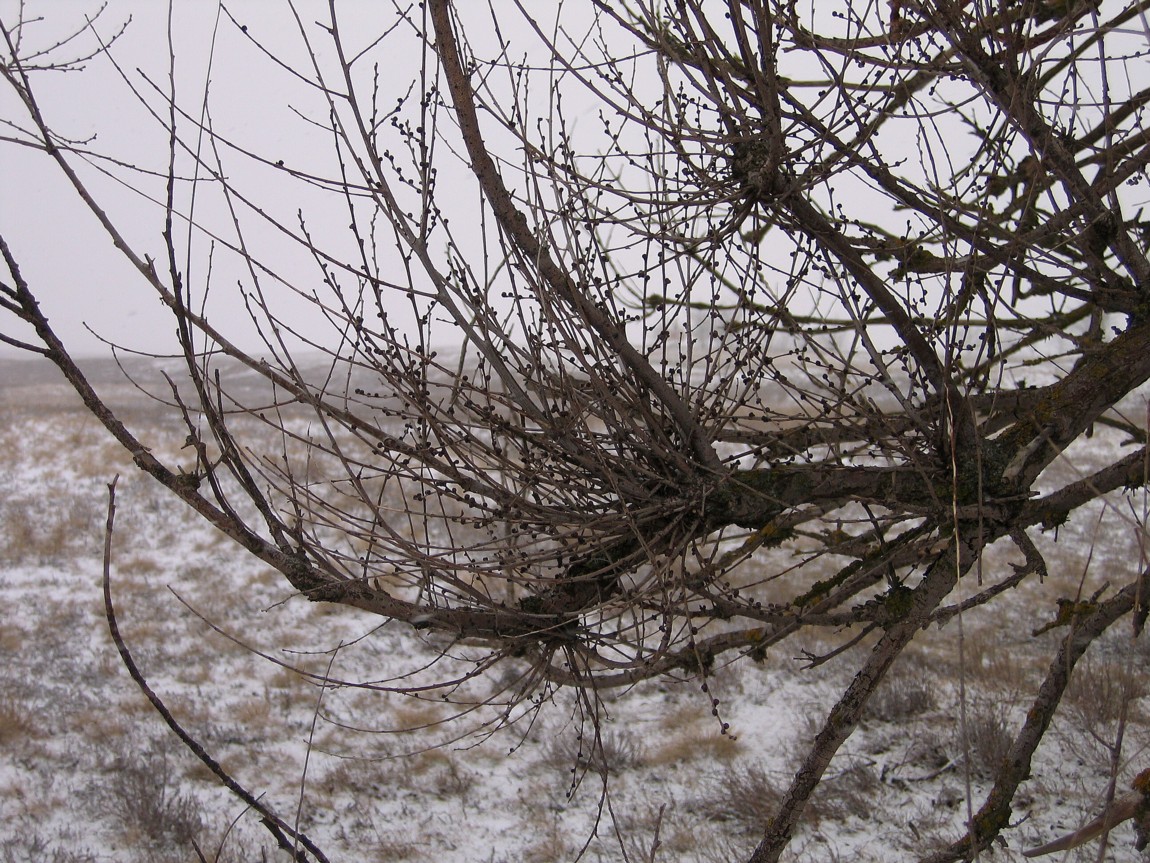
pixel 1101 691
pixel 718 791
pixel 430 772
pixel 142 792
pixel 28 844
pixel 412 714
pixel 908 691
pixel 354 777
pixel 437 772
pixel 614 751
pixel 139 565
pixel 685 734
pixel 704 744
pixel 989 736
pixel 253 713
pixel 12 638
pixel 848 793
pixel 17 724
pixel 739 796
pixel 1008 669
pixel 46 531
pixel 743 796
pixel 550 843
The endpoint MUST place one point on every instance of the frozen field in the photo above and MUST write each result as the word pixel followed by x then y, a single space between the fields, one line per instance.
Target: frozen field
pixel 88 772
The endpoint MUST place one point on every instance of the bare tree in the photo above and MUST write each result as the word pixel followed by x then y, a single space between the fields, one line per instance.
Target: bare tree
pixel 716 277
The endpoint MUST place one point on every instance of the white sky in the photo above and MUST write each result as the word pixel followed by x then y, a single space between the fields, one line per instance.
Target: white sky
pixel 67 258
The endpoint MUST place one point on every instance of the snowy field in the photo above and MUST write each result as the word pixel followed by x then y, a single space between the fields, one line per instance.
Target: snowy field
pixel 88 772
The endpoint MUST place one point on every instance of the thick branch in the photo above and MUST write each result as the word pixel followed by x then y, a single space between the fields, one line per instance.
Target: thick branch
pixel 994 815
pixel 1067 409
pixel 845 715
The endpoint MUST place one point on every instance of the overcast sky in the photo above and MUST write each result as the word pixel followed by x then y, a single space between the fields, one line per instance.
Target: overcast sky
pixel 69 260
pixel 66 257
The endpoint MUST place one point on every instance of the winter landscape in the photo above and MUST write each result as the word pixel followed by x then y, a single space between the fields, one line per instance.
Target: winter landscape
pixel 671 431
pixel 90 773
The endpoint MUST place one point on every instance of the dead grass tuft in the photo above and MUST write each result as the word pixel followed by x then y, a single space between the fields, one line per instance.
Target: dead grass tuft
pixel 989 738
pixel 414 715
pixel 45 530
pixel 25 845
pixel 436 772
pixel 1101 690
pixel 849 793
pixel 907 692
pixel 615 751
pixel 694 745
pixel 742 795
pixel 253 713
pixel 16 724
pixel 141 793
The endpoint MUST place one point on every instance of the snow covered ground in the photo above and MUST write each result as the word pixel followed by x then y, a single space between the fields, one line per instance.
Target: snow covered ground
pixel 88 772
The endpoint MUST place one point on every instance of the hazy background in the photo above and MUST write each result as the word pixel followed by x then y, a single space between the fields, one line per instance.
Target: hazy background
pixel 88 289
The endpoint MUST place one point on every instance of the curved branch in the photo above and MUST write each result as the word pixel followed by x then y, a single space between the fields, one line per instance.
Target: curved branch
pixel 535 255
pixel 286 836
